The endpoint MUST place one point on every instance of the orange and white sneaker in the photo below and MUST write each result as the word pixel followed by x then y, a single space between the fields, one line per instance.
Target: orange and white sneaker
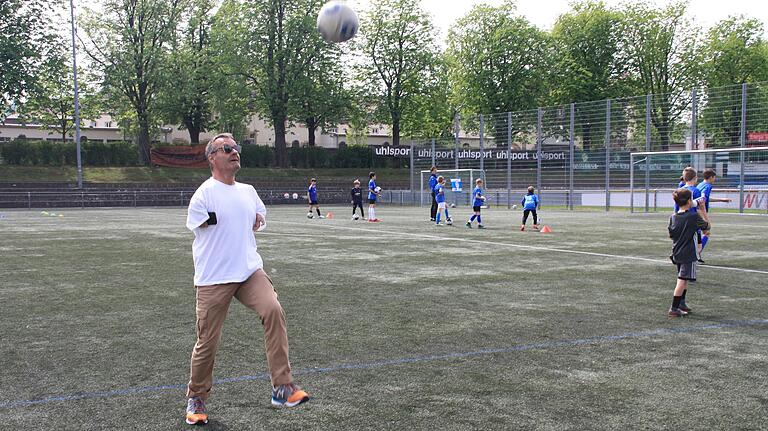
pixel 196 411
pixel 288 395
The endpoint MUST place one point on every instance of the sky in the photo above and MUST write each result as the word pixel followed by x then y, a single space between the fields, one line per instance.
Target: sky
pixel 544 13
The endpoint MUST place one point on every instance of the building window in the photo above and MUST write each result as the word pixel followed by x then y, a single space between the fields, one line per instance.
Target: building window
pixel 108 124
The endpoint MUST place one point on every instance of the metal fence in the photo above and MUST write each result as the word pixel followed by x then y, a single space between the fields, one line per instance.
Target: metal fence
pixel 572 152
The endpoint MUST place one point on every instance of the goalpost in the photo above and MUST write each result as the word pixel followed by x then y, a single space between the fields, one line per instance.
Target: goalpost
pixel 742 174
pixel 459 184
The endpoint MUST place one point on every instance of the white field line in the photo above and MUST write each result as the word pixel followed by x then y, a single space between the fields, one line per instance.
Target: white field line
pixel 519 246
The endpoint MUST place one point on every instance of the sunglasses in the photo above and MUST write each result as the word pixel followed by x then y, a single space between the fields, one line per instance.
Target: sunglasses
pixel 228 148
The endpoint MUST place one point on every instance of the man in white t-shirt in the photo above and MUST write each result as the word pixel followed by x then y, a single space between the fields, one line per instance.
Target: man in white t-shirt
pixel 223 215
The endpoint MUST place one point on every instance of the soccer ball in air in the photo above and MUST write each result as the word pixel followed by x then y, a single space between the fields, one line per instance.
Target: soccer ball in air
pixel 377 189
pixel 337 22
pixel 355 217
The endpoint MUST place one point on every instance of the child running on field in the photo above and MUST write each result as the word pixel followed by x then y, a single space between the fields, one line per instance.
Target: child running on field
pixel 705 187
pixel 684 226
pixel 477 203
pixel 530 203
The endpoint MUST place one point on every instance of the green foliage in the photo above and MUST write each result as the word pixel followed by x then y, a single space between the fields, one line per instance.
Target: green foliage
pixel 260 156
pixel 25 35
pixel 499 61
pixel 48 153
pixel 128 41
pixel 185 97
pixel 401 61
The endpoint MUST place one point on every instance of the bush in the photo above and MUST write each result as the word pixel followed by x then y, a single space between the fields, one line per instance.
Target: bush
pixel 257 156
pixel 53 153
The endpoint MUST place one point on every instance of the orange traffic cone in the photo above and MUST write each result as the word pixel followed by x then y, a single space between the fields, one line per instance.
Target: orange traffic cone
pixel 330 215
pixel 546 229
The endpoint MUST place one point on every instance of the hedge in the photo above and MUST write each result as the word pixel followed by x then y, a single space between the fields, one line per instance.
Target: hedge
pixel 95 153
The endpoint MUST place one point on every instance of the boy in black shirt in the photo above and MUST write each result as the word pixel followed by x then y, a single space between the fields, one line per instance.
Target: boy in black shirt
pixel 357 200
pixel 683 226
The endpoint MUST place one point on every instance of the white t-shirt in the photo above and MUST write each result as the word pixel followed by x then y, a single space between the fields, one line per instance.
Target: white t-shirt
pixel 224 252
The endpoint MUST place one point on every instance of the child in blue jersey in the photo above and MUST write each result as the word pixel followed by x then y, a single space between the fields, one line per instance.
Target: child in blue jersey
pixel 312 197
pixel 477 201
pixel 432 184
pixel 373 193
pixel 689 178
pixel 705 188
pixel 440 198
pixel 530 203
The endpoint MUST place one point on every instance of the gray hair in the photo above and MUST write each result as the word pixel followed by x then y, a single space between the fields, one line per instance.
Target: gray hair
pixel 209 148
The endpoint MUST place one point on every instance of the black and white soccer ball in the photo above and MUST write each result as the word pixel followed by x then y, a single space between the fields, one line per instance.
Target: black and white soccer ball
pixel 449 221
pixel 355 217
pixel 310 215
pixel 337 22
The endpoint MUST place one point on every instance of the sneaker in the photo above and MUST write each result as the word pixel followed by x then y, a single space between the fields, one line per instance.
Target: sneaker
pixel 535 227
pixel 431 219
pixel 321 216
pixel 438 224
pixel 196 411
pixel 685 309
pixel 469 225
pixel 288 395
pixel 480 226
pixel 522 228
pixel 701 261
pixel 675 312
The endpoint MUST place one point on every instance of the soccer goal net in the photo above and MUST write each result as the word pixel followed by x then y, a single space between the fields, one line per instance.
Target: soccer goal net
pixel 459 184
pixel 741 176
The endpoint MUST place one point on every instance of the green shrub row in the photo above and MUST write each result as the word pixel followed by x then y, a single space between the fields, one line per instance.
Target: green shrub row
pixel 95 153
pixel 51 153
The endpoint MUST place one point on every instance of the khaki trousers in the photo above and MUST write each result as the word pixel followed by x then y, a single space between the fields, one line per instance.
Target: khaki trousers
pixel 212 304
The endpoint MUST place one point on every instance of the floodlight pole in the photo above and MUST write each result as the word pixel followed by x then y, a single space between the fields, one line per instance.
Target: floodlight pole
pixel 77 99
pixel 509 160
pixel 456 127
pixel 742 144
pixel 647 148
pixel 571 148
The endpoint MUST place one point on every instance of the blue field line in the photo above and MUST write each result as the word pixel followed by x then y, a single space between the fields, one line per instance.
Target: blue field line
pixel 397 361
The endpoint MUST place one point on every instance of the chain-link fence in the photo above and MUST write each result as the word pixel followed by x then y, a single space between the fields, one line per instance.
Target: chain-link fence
pixel 579 154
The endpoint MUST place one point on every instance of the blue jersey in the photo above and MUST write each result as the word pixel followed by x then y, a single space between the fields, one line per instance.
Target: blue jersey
pixel 439 193
pixel 476 194
pixel 695 194
pixel 530 201
pixel 705 189
pixel 432 182
pixel 371 189
pixel 312 192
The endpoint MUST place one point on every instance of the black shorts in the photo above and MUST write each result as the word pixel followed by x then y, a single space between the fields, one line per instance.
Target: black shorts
pixel 313 203
pixel 371 201
pixel 686 271
pixel 476 209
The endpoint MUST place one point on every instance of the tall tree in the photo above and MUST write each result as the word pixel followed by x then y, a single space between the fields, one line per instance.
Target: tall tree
pixel 128 43
pixel 736 52
pixel 271 56
pixel 186 97
pixel 399 50
pixel 26 32
pixel 499 63
pixel 663 49
pixel 322 100
pixel 52 101
pixel 587 41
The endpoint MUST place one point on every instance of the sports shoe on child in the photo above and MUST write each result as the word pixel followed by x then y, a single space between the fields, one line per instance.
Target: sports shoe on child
pixel 685 309
pixel 535 227
pixel 196 411
pixel 700 260
pixel 469 225
pixel 321 216
pixel 288 395
pixel 675 312
pixel 522 228
pixel 480 226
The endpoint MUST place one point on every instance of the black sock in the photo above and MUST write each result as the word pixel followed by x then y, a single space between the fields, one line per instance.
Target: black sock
pixel 318 211
pixel 683 297
pixel 676 301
